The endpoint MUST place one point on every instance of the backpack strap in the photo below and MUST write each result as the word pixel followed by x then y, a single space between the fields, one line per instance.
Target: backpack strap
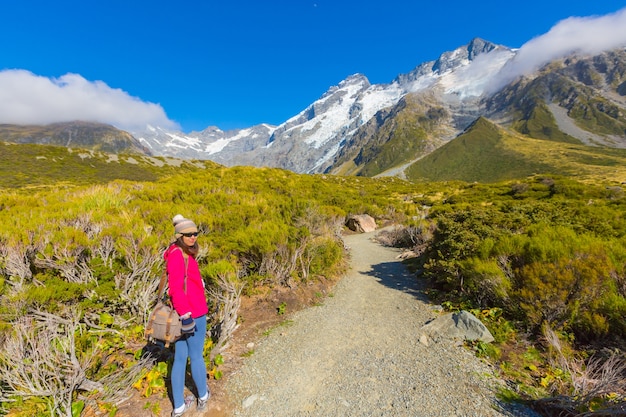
pixel 164 275
pixel 162 283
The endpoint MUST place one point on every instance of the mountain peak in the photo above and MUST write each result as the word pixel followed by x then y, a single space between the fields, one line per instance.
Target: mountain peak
pixel 355 79
pixel 453 59
pixel 479 46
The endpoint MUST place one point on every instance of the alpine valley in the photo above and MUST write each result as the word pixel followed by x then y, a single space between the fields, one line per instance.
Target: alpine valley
pixel 444 120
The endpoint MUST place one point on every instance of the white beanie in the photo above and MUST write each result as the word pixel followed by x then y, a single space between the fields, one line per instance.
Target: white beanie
pixel 183 225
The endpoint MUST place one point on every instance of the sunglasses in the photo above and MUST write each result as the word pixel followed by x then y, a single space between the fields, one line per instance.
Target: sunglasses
pixel 194 234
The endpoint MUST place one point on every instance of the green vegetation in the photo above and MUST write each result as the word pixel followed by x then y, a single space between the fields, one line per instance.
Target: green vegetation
pixel 78 134
pixel 483 153
pixel 79 264
pixel 402 138
pixel 543 258
pixel 539 259
pixel 539 123
pixel 48 165
pixel 544 250
pixel 488 153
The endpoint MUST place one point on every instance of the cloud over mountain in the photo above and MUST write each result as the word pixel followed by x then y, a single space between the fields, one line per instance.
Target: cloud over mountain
pixel 26 98
pixel 584 35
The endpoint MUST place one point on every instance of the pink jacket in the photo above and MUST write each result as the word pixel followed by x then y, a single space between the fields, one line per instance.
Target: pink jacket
pixel 193 300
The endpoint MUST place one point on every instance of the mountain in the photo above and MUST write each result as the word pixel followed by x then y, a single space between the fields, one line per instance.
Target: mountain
pixel 212 143
pixel 78 134
pixel 359 128
pixel 577 100
pixel 487 152
pixel 314 140
pixel 483 152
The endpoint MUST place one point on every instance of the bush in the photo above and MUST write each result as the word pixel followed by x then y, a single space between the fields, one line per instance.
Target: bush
pixel 541 260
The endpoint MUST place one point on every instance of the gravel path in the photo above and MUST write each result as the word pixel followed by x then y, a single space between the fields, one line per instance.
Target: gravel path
pixel 359 354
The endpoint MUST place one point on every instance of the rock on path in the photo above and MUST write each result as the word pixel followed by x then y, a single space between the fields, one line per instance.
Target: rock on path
pixel 359 354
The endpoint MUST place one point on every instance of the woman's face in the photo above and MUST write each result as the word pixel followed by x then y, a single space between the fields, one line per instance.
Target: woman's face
pixel 189 239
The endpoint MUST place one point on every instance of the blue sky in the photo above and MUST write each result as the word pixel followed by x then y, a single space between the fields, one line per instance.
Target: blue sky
pixel 229 63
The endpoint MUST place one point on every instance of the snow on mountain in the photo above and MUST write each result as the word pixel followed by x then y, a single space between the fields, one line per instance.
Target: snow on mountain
pixel 326 125
pixel 378 97
pixel 220 144
pixel 308 141
pixel 207 144
pixel 472 78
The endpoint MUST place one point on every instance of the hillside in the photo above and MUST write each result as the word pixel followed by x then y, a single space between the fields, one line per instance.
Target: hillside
pixel 486 152
pixel 23 165
pixel 413 128
pixel 77 134
pixel 578 102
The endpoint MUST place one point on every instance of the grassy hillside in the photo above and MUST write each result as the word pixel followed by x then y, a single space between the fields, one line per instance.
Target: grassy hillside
pixel 80 134
pixel 23 165
pixel 394 137
pixel 539 123
pixel 589 89
pixel 488 153
pixel 407 135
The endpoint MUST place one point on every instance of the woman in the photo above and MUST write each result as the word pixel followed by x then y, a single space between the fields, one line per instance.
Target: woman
pixel 186 290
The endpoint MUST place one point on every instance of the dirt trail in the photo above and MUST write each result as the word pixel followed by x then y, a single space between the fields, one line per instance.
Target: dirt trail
pixel 358 354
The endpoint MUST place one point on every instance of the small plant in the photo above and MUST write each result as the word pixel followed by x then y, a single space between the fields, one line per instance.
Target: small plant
pixel 485 350
pixel 77 408
pixel 153 408
pixel 111 410
pixel 282 307
pixel 285 323
pixel 214 372
pixel 153 381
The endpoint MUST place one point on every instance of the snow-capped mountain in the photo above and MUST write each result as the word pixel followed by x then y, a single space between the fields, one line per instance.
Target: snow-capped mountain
pixel 403 127
pixel 207 144
pixel 310 141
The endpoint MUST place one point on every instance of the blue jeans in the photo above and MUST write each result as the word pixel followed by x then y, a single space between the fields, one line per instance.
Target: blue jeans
pixel 191 347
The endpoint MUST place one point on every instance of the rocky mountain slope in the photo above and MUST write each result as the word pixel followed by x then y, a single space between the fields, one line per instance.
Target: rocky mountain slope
pixel 579 100
pixel 311 141
pixel 357 128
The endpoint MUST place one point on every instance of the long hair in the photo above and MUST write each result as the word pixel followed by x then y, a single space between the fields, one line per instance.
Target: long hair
pixel 189 250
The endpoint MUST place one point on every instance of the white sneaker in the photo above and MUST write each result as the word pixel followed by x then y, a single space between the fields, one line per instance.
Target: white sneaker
pixel 203 403
pixel 188 401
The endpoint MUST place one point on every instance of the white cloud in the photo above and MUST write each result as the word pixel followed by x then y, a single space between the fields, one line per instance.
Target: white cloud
pixel 26 98
pixel 583 35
